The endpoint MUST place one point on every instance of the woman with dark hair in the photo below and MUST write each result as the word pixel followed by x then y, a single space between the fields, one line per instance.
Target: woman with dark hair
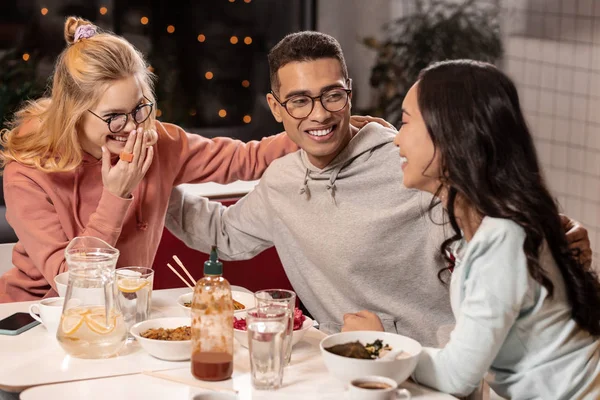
pixel 526 310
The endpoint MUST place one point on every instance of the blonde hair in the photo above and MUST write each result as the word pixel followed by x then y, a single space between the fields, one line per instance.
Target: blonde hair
pixel 82 73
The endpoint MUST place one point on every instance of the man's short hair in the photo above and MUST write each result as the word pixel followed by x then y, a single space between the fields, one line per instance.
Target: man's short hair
pixel 304 46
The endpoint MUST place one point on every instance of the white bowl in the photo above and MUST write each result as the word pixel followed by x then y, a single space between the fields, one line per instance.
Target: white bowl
pixel 247 299
pixel 242 336
pixel 179 350
pixel 87 295
pixel 347 369
pixel 61 281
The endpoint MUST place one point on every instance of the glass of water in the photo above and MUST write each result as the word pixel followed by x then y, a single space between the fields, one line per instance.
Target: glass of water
pixel 134 293
pixel 285 299
pixel 266 328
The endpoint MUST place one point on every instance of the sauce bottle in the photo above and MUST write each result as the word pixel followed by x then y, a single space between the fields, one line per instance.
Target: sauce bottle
pixel 212 324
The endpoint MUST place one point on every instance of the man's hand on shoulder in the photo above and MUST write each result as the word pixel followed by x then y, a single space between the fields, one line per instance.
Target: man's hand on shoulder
pixel 578 239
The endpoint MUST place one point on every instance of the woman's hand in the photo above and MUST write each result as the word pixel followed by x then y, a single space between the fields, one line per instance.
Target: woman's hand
pixel 122 178
pixel 362 321
pixel 578 238
pixel 359 121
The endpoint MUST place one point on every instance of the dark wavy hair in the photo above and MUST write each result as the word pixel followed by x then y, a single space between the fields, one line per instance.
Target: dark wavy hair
pixel 303 46
pixel 472 112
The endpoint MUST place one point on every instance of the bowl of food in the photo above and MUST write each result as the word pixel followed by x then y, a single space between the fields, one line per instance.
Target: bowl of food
pixel 242 301
pixel 301 324
pixel 61 281
pixel 165 338
pixel 351 355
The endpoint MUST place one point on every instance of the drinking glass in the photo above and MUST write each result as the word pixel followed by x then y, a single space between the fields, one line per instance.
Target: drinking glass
pixel 134 293
pixel 285 299
pixel 266 327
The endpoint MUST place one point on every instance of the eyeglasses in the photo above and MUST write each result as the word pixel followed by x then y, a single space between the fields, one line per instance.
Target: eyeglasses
pixel 117 122
pixel 301 106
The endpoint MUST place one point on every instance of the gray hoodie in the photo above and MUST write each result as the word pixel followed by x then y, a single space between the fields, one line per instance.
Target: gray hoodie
pixel 350 236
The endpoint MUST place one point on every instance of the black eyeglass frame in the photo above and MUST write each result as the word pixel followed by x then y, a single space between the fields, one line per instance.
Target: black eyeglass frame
pixel 313 98
pixel 136 109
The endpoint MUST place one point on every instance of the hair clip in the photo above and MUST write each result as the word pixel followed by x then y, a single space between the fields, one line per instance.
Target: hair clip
pixel 84 31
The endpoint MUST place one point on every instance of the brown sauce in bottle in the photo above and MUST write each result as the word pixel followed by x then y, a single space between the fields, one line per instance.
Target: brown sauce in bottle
pixel 212 366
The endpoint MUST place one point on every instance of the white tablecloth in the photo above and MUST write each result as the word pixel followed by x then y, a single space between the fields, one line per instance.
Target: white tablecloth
pixel 34 361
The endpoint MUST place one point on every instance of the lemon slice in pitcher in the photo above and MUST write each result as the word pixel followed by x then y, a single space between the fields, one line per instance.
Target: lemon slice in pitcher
pixel 71 323
pixel 131 285
pixel 96 322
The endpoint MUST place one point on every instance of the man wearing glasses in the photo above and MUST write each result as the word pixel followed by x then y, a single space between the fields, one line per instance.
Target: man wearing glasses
pixel 350 236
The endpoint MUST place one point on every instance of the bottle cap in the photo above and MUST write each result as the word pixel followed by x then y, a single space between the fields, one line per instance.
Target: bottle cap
pixel 213 266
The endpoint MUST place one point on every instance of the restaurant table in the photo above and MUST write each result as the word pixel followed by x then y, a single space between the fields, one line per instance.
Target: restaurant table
pixel 33 362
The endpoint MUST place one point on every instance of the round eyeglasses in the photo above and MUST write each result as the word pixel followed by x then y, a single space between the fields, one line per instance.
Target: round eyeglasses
pixel 301 106
pixel 117 122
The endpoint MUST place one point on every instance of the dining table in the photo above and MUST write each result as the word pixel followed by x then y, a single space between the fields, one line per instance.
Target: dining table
pixel 34 365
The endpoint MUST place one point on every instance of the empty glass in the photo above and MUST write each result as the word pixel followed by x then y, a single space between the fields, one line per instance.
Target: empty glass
pixel 285 299
pixel 266 327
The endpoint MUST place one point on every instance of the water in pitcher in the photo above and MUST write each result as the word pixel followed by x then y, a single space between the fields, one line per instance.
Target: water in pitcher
pixel 91 324
pixel 86 332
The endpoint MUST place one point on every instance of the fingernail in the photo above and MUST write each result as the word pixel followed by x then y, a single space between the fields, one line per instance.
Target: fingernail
pixel 102 149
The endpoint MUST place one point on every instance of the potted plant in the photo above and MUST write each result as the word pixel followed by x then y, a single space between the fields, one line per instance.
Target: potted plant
pixel 437 30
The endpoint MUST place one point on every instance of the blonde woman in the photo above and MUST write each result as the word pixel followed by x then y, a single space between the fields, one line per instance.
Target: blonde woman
pixel 91 160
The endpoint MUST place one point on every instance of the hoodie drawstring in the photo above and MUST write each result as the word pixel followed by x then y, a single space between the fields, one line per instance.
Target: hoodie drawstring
pixel 331 188
pixel 139 217
pixel 331 185
pixel 78 171
pixel 304 188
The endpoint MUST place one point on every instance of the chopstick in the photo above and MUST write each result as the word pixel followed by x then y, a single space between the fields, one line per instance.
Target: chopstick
pixel 188 382
pixel 184 269
pixel 180 277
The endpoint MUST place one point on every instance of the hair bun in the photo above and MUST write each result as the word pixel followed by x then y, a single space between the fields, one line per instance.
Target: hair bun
pixel 71 25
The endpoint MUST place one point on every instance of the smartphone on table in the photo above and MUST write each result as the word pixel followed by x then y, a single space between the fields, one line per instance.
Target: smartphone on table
pixel 17 323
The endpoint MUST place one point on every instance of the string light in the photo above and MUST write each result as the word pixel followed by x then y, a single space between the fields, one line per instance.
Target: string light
pixel 246 83
pixel 247 1
pixel 144 20
pixel 247 119
pixel 158 112
pixel 231 1
pixel 170 29
pixel 44 11
pixel 233 40
pixel 103 10
pixel 247 40
pixel 222 113
pixel 201 38
pixel 25 56
pixel 209 75
pixel 193 113
pixel 150 68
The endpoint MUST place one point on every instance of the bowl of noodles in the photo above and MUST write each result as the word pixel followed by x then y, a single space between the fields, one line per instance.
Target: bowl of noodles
pixel 165 338
pixel 351 355
pixel 242 301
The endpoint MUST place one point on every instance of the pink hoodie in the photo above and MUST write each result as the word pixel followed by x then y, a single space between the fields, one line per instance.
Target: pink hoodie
pixel 47 210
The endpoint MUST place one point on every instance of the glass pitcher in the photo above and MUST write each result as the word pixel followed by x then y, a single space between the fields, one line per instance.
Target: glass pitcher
pixel 91 324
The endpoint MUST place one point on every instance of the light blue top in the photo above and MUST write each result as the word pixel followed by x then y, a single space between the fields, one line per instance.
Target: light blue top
pixel 507 325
